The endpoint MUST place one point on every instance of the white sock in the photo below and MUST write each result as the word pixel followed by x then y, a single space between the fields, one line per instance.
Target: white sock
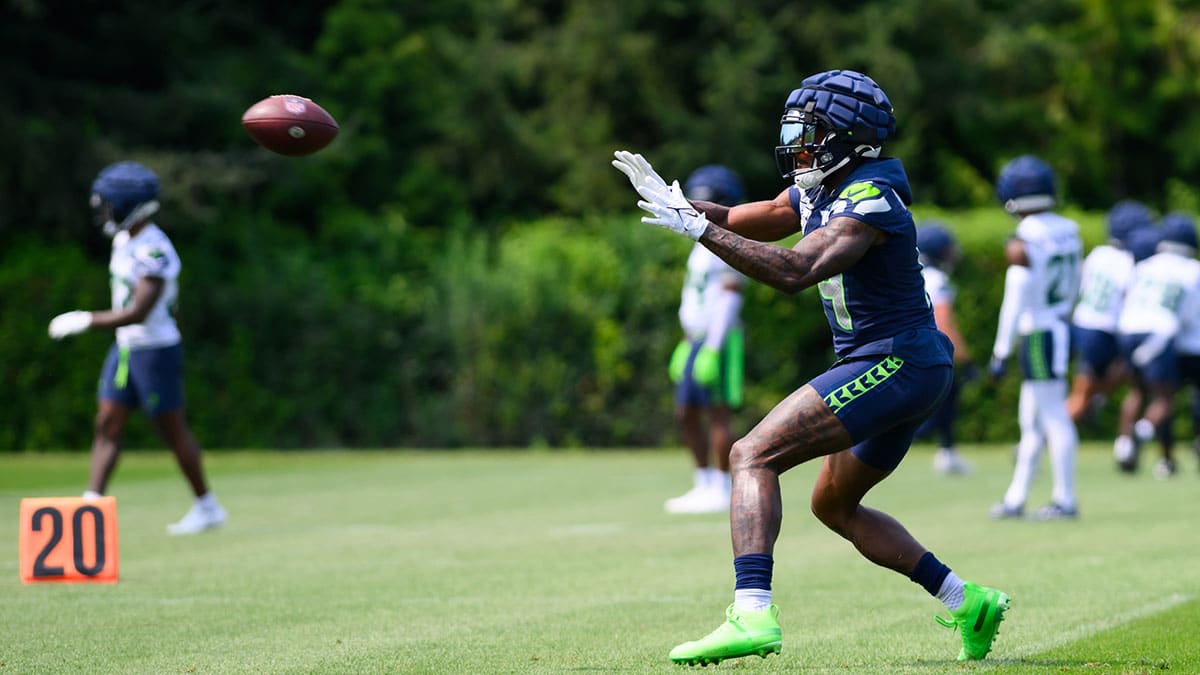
pixel 1123 448
pixel 951 592
pixel 700 478
pixel 717 480
pixel 91 494
pixel 751 599
pixel 207 500
pixel 1144 430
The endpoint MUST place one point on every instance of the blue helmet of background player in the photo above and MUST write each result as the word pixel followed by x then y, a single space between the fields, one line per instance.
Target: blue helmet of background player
pixel 1126 216
pixel 936 244
pixel 715 183
pixel 123 194
pixel 1143 243
pixel 836 116
pixel 1026 185
pixel 1178 229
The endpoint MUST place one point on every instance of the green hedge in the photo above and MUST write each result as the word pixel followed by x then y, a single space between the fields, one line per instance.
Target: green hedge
pixel 368 332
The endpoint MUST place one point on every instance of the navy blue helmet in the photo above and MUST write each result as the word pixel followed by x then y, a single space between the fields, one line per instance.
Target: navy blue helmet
pixel 1143 243
pixel 1126 216
pixel 1026 185
pixel 124 193
pixel 836 116
pixel 1179 227
pixel 715 183
pixel 936 243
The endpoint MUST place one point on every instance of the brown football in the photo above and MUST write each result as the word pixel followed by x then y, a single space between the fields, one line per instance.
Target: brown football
pixel 290 125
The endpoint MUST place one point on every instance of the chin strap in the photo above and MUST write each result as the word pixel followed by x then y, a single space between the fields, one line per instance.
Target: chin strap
pixel 141 212
pixel 813 177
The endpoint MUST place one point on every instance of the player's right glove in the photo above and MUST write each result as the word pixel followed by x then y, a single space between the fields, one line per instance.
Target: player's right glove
pixel 70 323
pixel 997 368
pixel 679 359
pixel 670 210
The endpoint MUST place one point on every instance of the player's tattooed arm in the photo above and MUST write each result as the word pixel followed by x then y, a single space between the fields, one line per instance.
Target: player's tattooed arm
pixel 824 253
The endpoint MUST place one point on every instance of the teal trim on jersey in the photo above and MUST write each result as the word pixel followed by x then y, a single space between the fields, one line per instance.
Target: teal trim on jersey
pixel 879 373
pixel 733 358
pixel 121 376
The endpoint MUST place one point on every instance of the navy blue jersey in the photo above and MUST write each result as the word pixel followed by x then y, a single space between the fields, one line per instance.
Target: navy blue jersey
pixel 879 305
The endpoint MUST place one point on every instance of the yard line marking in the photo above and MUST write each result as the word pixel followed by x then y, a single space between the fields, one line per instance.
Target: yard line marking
pixel 1090 629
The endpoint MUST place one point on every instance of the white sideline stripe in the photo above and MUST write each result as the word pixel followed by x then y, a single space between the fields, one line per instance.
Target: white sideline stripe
pixel 1090 629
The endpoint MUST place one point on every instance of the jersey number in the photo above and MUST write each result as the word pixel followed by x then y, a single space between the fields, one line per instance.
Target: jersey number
pixel 834 291
pixel 1064 279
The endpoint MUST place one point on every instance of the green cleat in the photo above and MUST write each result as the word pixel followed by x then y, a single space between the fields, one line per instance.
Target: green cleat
pixel 744 633
pixel 978 620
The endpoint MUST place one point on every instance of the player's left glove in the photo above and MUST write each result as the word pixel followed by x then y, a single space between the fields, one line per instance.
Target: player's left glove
pixel 670 210
pixel 638 170
pixel 70 323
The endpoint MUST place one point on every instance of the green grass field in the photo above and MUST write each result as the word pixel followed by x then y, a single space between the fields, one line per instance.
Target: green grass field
pixel 515 562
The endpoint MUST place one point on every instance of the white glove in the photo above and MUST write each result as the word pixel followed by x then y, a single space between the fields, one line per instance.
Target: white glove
pixel 1150 348
pixel 638 170
pixel 672 211
pixel 70 323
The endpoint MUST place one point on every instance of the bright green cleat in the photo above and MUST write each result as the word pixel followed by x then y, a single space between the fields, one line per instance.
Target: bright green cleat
pixel 978 620
pixel 744 633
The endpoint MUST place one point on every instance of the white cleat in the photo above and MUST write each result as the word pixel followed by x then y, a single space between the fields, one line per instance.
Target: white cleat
pixel 699 500
pixel 948 462
pixel 198 519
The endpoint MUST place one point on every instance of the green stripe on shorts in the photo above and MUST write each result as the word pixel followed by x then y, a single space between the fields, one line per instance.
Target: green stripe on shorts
pixel 846 394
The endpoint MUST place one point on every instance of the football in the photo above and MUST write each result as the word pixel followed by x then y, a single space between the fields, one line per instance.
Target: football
pixel 290 125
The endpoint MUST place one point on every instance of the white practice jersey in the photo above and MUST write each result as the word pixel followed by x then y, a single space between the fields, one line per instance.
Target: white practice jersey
pixel 1165 290
pixel 149 254
pixel 1107 272
pixel 938 286
pixel 706 279
pixel 1055 252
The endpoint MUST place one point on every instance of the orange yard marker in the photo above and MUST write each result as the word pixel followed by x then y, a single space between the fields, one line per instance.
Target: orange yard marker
pixel 68 539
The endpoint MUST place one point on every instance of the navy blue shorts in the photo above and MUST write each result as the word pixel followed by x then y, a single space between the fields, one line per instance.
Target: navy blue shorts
pixel 1162 369
pixel 151 379
pixel 882 401
pixel 1095 350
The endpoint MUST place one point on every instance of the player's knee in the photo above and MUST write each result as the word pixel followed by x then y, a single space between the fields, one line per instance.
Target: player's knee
pixel 745 455
pixel 828 509
pixel 107 425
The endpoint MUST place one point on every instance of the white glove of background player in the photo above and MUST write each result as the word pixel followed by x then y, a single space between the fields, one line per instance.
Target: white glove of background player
pixel 70 323
pixel 638 170
pixel 672 211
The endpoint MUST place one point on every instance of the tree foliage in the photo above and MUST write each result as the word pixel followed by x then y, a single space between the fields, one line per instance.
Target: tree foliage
pixel 462 265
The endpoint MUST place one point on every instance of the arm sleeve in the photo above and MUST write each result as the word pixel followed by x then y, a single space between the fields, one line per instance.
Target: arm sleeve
pixel 724 315
pixel 1016 283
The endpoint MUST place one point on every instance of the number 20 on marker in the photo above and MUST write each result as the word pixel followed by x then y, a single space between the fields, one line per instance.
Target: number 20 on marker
pixel 68 539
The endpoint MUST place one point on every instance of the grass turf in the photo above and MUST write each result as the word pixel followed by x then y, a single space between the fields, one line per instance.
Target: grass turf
pixel 513 562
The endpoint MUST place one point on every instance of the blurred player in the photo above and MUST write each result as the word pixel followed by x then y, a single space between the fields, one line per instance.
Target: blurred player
pixel 144 367
pixel 1187 346
pixel 1165 290
pixel 707 365
pixel 939 254
pixel 1040 288
pixel 893 369
pixel 1107 272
